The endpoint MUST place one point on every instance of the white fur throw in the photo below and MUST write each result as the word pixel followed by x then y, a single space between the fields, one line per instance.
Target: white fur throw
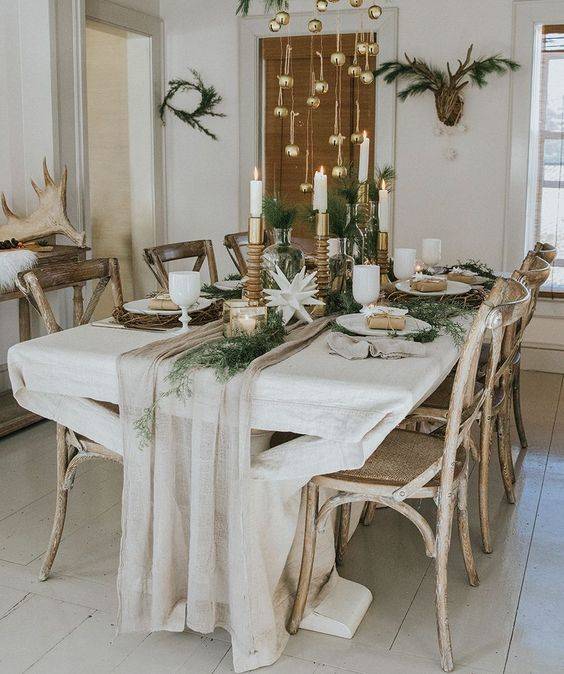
pixel 12 262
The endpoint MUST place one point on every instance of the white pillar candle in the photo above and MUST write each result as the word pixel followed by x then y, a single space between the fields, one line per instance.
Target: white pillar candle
pixel 431 251
pixel 320 191
pixel 256 196
pixel 383 208
pixel 364 160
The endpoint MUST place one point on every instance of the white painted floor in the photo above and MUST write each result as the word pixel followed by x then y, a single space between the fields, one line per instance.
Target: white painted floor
pixel 513 622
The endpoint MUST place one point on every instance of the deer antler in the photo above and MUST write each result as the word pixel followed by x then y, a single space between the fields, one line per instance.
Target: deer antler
pixel 423 69
pixel 49 218
pixel 462 70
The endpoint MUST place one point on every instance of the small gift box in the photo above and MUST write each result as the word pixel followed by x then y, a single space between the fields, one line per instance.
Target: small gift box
pixel 428 284
pixel 240 317
pixel 385 318
pixel 461 275
pixel 162 302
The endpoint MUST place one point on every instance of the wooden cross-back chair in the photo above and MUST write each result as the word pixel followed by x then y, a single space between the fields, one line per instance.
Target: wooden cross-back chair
pixel 412 465
pixel 534 272
pixel 73 449
pixel 159 256
pixel 237 243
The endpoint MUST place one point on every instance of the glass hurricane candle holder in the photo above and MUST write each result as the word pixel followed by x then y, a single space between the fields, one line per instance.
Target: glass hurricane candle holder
pixel 239 317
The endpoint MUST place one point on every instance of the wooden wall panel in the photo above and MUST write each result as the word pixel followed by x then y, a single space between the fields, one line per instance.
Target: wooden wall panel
pixel 282 174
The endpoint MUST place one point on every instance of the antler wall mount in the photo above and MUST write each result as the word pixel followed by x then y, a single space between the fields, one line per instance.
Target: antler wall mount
pixel 48 219
pixel 447 86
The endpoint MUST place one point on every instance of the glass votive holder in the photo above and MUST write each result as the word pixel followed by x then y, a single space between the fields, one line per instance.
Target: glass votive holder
pixel 239 317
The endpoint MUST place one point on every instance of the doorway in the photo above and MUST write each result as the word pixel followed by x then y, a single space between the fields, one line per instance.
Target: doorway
pixel 120 140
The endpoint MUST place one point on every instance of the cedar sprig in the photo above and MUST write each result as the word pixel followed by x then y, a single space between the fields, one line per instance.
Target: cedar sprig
pixel 209 99
pixel 277 213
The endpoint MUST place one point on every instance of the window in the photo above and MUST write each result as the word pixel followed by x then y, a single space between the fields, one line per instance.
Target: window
pixel 547 173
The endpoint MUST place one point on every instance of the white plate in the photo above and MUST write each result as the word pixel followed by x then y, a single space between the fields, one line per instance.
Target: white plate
pixel 356 323
pixel 142 307
pixel 229 285
pixel 453 288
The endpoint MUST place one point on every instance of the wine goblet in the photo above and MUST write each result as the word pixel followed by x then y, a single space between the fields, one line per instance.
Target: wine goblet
pixel 184 288
pixel 431 253
pixel 366 283
pixel 404 263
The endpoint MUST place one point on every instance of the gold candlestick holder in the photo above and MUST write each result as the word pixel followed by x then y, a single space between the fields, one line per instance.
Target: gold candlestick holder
pixel 383 259
pixel 253 285
pixel 364 193
pixel 322 254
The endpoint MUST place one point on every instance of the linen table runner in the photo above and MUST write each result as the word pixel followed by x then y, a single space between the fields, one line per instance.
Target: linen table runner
pixel 203 545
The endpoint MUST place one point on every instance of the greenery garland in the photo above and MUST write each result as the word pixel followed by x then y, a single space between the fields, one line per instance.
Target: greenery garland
pixel 243 6
pixel 481 269
pixel 209 99
pixel 226 356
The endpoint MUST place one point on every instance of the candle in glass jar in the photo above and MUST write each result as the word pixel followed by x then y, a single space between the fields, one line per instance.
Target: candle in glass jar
pixel 256 196
pixel 320 191
pixel 431 251
pixel 364 160
pixel 246 324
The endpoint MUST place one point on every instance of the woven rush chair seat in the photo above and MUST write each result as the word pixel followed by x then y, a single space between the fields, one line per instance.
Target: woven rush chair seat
pixel 399 459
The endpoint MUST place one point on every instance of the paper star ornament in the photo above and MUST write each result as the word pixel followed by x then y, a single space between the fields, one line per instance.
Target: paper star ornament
pixel 293 297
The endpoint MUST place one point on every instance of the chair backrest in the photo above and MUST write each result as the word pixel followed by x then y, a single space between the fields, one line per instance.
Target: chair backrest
pixel 235 243
pixel 504 305
pixel 158 256
pixel 546 251
pixel 34 284
pixel 533 272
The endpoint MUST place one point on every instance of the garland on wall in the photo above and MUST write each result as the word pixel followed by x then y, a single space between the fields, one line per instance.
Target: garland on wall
pixel 209 100
pixel 447 86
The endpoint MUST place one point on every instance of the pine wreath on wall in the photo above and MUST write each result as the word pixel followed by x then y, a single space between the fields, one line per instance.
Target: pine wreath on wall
pixel 209 100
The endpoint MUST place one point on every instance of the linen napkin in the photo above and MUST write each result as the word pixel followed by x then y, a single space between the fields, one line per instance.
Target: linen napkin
pixel 357 348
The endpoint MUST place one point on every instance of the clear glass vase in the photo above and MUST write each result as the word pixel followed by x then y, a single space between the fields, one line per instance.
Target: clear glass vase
pixel 284 255
pixel 340 267
pixel 367 226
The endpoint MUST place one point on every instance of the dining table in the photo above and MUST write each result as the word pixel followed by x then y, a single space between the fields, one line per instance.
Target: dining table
pixel 340 410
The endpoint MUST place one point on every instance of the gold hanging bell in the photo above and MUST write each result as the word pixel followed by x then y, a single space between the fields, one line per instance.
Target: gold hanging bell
pixel 373 49
pixel 321 87
pixel 274 26
pixel 292 150
pixel 285 81
pixel 313 102
pixel 357 138
pixel 321 5
pixel 283 18
pixel 315 26
pixel 356 3
pixel 375 12
pixel 338 58
pixel 367 77
pixel 336 139
pixel 362 48
pixel 354 70
pixel 281 111
pixel 339 171
pixel 305 188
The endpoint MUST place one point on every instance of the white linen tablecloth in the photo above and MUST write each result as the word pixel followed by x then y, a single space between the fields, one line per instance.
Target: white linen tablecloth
pixel 350 405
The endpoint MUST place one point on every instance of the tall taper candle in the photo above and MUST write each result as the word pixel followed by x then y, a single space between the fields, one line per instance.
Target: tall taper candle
pixel 364 160
pixel 383 208
pixel 320 191
pixel 256 196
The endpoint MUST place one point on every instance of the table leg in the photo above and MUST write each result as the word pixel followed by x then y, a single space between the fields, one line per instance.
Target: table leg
pixel 78 305
pixel 24 320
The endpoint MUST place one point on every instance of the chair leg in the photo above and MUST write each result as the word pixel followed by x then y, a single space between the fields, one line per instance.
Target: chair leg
pixel 368 513
pixel 464 529
pixel 306 568
pixel 517 406
pixel 444 526
pixel 504 451
pixel 343 537
pixel 61 505
pixel 484 481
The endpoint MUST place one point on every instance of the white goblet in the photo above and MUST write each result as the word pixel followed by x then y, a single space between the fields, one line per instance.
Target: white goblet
pixel 366 283
pixel 404 263
pixel 431 252
pixel 184 288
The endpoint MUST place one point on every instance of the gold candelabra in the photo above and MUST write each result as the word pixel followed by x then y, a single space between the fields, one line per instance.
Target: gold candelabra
pixel 253 285
pixel 322 254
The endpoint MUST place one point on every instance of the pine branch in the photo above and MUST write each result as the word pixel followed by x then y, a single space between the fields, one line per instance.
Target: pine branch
pixel 277 213
pixel 415 89
pixel 243 6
